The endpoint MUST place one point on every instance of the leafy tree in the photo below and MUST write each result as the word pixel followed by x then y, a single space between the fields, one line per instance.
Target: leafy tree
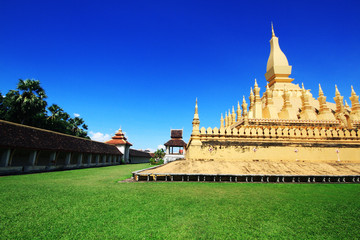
pixel 58 120
pixel 158 157
pixel 27 104
pixel 78 127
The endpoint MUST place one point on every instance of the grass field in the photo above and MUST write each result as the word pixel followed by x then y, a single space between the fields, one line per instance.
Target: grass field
pixel 91 204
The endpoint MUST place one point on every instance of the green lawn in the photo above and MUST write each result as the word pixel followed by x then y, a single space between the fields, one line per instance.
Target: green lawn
pixel 91 204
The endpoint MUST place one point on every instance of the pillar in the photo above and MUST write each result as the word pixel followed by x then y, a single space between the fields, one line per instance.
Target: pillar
pixel 89 159
pixel 52 160
pixel 67 158
pixel 97 160
pixel 79 160
pixel 5 158
pixel 32 158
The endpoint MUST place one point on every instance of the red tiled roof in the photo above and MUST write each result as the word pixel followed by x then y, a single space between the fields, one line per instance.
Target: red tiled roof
pixel 118 142
pixel 21 136
pixel 138 153
pixel 175 143
pixel 119 139
pixel 176 133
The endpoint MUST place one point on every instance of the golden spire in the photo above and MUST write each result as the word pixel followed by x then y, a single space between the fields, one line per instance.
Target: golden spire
pixel 355 105
pixel 196 108
pixel 195 134
pixel 252 102
pixel 352 91
pixel 230 118
pixel 233 116
pixel 339 101
pixel 277 57
pixel 336 91
pixel 277 68
pixel 272 30
pixel 238 112
pixel 321 93
pixel 346 104
pixel 226 120
pixel 244 106
pixel 196 122
pixel 255 85
pixel 324 110
pixel 245 112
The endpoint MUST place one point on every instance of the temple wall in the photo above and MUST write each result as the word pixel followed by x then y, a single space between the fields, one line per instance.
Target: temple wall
pixel 277 144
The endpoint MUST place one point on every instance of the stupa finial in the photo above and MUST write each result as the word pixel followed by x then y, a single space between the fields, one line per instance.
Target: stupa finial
pixel 336 91
pixel 320 91
pixel 196 114
pixel 352 91
pixel 272 29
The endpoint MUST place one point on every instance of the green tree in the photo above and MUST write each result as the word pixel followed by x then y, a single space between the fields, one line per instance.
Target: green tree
pixel 78 127
pixel 27 104
pixel 58 119
pixel 158 157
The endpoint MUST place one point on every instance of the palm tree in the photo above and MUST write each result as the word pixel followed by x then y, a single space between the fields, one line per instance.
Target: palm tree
pixel 57 113
pixel 26 104
pixel 57 121
pixel 77 127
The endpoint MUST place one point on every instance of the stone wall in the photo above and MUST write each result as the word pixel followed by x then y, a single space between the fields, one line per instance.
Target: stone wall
pixel 276 144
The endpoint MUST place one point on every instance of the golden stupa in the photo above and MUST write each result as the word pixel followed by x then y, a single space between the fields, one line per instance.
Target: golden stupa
pixel 286 123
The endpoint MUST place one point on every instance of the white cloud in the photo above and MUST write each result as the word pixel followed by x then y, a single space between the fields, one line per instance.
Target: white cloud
pixel 161 146
pixel 76 115
pixel 150 150
pixel 100 137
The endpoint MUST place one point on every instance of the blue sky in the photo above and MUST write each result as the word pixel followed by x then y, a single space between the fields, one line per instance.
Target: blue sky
pixel 141 64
